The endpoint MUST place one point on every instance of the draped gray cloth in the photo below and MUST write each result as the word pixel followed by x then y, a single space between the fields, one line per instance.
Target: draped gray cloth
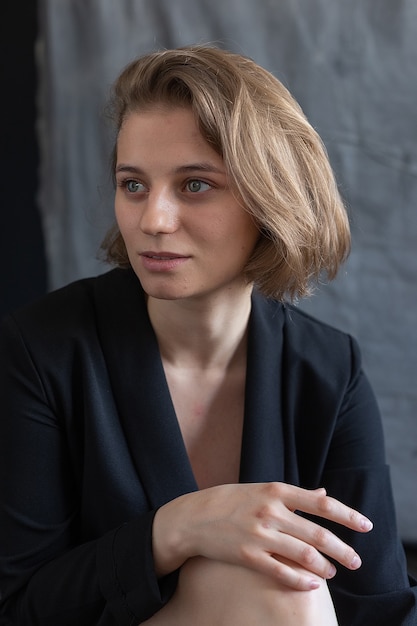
pixel 352 66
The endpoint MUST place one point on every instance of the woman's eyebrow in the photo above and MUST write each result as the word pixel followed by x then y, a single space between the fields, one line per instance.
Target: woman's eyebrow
pixel 182 169
pixel 200 167
pixel 122 167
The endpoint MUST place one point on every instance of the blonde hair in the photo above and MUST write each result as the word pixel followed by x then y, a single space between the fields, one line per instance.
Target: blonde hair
pixel 275 160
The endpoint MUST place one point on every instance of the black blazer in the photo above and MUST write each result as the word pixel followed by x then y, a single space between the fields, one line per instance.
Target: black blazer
pixel 90 447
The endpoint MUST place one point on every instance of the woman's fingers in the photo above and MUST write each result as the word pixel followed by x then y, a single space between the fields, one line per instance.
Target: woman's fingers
pixel 313 539
pixel 317 502
pixel 288 573
pixel 293 562
pixel 317 539
pixel 257 526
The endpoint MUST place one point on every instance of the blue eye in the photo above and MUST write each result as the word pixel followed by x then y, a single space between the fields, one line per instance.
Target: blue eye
pixel 133 186
pixel 197 185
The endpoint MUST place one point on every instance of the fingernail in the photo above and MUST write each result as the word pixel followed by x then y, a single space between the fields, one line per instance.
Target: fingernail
pixel 332 571
pixel 366 524
pixel 356 562
pixel 314 584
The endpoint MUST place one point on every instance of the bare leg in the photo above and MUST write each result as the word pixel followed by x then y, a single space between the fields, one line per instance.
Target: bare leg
pixel 210 592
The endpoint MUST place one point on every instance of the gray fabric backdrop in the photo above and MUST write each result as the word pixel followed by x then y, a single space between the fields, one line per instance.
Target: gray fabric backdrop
pixel 353 67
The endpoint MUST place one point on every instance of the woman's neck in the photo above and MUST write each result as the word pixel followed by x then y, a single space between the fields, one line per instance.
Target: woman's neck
pixel 194 334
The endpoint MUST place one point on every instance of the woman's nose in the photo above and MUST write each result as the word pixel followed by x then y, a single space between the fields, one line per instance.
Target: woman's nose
pixel 160 213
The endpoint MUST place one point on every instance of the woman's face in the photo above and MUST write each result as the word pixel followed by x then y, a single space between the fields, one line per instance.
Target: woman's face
pixel 185 233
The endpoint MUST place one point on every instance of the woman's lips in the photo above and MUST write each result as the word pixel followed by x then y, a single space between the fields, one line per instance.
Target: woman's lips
pixel 162 261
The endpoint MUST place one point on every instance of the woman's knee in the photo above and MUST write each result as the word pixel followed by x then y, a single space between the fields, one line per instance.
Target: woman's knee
pixel 304 608
pixel 210 592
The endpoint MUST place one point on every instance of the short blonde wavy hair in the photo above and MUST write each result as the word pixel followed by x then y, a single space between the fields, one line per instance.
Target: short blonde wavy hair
pixel 275 160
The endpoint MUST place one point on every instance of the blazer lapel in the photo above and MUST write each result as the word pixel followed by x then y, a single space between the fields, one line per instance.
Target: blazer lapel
pixel 262 446
pixel 143 400
pixel 140 389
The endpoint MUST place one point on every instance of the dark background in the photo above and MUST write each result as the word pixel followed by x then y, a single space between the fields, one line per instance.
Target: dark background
pixel 23 265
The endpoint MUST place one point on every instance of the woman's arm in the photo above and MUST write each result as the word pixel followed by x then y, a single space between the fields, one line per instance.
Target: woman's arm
pixel 380 593
pixel 352 467
pixel 51 572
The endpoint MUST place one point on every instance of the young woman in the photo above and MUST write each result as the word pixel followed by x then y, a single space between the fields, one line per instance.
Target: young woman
pixel 179 444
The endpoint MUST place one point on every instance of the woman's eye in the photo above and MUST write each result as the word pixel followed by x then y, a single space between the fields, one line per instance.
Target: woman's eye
pixel 132 186
pixel 197 185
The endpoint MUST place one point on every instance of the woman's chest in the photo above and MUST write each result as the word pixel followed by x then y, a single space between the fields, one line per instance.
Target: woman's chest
pixel 210 412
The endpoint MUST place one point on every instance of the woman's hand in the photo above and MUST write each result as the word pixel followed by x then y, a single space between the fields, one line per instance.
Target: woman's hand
pixel 256 526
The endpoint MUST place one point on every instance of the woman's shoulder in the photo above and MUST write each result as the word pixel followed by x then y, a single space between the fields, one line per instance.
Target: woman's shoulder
pixel 307 338
pixel 302 323
pixel 73 306
pixel 296 321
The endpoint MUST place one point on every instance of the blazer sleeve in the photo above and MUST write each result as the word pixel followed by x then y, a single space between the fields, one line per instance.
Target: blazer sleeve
pixel 48 574
pixel 380 592
pixel 334 439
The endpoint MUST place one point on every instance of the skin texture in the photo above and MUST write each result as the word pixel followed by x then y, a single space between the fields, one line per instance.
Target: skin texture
pixel 170 182
pixel 210 592
pixel 188 239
